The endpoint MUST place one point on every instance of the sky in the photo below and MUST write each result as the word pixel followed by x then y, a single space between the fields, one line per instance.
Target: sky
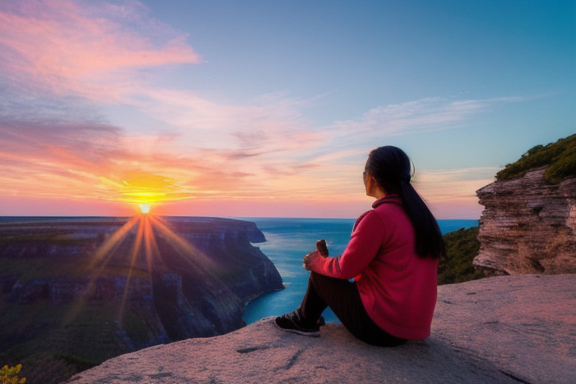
pixel 270 108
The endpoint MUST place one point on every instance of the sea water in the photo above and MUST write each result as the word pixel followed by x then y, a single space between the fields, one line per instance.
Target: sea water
pixel 288 240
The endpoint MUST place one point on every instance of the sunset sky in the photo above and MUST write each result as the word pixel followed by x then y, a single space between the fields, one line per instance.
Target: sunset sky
pixel 269 108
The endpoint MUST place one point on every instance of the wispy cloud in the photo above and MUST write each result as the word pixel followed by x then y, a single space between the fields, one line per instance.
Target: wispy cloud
pixel 429 114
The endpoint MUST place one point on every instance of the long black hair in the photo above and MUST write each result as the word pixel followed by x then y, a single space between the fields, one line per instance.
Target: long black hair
pixel 392 169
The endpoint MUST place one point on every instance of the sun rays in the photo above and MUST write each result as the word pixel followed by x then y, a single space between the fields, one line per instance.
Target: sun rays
pixel 132 257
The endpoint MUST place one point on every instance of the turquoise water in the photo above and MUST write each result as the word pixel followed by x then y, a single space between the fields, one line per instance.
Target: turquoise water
pixel 288 240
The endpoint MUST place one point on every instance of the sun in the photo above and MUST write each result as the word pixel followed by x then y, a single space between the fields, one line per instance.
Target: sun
pixel 144 208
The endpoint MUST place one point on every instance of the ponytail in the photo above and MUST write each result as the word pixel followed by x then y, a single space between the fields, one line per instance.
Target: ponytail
pixel 429 240
pixel 392 169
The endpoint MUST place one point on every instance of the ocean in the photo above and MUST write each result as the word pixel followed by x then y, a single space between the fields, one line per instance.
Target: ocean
pixel 288 240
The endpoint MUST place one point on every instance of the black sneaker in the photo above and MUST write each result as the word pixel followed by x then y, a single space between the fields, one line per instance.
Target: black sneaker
pixel 292 322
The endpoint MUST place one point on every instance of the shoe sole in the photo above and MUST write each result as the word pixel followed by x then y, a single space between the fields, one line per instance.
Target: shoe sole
pixel 298 332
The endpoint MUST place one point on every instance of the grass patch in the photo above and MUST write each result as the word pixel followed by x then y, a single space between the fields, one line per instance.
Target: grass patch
pixel 558 157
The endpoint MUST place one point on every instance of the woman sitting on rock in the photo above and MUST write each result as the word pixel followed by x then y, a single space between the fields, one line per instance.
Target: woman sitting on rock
pixel 392 256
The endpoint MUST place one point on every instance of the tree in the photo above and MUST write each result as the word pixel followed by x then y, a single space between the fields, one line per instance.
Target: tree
pixel 10 375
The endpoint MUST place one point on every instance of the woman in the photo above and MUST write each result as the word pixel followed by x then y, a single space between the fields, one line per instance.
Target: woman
pixel 393 257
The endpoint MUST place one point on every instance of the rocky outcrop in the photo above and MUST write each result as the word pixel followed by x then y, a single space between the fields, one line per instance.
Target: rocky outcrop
pixel 499 330
pixel 100 287
pixel 528 226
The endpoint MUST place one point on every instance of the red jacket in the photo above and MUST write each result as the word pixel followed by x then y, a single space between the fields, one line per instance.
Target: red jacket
pixel 397 288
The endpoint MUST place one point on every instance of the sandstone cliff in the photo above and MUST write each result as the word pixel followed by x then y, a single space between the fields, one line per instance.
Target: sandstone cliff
pixel 78 291
pixel 499 330
pixel 528 225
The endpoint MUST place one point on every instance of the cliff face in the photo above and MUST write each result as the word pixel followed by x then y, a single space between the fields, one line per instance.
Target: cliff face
pixel 528 226
pixel 96 288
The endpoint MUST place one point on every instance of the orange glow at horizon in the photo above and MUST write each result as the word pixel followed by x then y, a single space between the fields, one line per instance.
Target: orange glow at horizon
pixel 144 188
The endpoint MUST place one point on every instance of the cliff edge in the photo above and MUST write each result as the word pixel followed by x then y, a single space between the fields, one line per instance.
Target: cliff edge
pixel 529 220
pixel 508 330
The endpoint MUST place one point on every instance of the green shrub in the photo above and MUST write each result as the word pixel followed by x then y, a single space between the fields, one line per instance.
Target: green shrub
pixel 559 157
pixel 10 375
pixel 461 248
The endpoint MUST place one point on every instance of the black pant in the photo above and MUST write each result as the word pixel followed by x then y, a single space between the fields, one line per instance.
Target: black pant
pixel 343 298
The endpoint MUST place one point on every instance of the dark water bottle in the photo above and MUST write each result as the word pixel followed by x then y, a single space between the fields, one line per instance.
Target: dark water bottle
pixel 321 247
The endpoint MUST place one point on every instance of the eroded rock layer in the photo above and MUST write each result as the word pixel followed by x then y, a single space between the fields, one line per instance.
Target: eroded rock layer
pixel 528 226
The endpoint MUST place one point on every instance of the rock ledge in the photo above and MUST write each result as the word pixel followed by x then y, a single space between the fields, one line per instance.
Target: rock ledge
pixel 509 329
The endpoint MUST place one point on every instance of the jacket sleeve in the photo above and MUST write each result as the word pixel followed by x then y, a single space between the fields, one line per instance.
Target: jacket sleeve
pixel 363 247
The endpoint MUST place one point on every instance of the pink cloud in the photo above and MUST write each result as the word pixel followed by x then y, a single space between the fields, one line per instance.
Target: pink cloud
pixel 266 208
pixel 21 205
pixel 75 45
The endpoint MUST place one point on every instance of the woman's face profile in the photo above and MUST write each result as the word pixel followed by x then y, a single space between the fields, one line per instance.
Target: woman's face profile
pixel 371 186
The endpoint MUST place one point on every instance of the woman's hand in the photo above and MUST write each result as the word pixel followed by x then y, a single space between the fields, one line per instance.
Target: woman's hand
pixel 309 260
pixel 321 251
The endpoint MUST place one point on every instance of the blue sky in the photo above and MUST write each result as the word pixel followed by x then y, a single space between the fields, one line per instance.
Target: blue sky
pixel 269 108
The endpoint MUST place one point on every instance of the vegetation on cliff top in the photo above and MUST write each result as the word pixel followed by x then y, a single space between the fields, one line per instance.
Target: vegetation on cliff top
pixel 559 157
pixel 461 248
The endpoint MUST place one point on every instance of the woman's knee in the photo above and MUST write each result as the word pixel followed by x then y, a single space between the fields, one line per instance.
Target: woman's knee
pixel 325 280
